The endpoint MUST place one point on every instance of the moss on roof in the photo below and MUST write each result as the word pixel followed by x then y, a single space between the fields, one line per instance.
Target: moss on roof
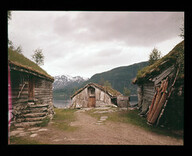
pixel 161 64
pixel 20 60
pixel 108 89
pixel 112 92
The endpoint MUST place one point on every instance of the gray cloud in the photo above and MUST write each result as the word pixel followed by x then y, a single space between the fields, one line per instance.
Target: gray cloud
pixel 136 29
pixel 85 43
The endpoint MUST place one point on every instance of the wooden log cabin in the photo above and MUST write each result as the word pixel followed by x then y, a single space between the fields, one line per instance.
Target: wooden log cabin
pixel 95 95
pixel 31 88
pixel 150 78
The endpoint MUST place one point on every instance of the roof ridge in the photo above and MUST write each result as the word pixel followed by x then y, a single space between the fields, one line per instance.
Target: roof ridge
pixel 98 86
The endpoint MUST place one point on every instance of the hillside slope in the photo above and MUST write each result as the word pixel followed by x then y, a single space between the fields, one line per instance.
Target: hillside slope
pixel 120 77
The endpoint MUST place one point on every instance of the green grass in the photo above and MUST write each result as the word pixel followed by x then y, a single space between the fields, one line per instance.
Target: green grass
pixel 63 118
pixel 132 117
pixel 44 122
pixel 23 141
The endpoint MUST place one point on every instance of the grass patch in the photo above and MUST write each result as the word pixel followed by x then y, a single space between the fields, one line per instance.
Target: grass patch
pixel 95 115
pixel 22 141
pixel 132 117
pixel 63 118
pixel 44 122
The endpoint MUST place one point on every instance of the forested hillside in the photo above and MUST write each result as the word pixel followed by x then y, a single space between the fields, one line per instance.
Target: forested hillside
pixel 120 77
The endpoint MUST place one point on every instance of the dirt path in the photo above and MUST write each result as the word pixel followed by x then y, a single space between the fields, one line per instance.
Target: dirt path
pixel 93 131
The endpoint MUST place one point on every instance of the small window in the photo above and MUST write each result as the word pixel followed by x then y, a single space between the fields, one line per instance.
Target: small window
pixel 92 91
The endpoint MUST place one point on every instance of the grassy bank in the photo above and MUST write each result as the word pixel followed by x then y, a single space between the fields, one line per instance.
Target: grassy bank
pixel 63 118
pixel 131 116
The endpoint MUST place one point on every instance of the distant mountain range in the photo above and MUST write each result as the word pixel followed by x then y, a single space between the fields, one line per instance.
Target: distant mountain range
pixel 64 86
pixel 66 81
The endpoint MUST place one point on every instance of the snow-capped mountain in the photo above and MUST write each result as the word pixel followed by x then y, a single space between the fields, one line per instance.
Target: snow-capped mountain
pixel 65 81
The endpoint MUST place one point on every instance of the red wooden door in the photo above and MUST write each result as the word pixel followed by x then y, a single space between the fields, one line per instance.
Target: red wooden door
pixel 31 89
pixel 91 102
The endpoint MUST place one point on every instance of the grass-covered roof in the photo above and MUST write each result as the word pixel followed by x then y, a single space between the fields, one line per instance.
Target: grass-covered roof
pixel 21 61
pixel 112 92
pixel 172 58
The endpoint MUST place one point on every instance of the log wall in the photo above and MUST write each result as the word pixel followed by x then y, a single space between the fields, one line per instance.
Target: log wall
pixel 25 112
pixel 148 91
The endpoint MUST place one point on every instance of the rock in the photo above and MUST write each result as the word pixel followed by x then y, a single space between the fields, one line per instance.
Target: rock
pixel 13 133
pixel 104 117
pixel 20 129
pixel 35 119
pixel 23 133
pixel 99 123
pixel 105 111
pixel 31 115
pixel 33 129
pixel 31 103
pixel 43 129
pixel 56 140
pixel 132 108
pixel 39 105
pixel 33 135
pixel 27 124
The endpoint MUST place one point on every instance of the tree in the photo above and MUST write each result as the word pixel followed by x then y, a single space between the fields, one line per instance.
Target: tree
pixel 182 31
pixel 19 49
pixel 126 91
pixel 154 56
pixel 101 81
pixel 10 45
pixel 107 84
pixel 38 57
pixel 9 15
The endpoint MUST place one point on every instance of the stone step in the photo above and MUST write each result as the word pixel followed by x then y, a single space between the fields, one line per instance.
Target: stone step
pixel 31 103
pixel 35 119
pixel 35 110
pixel 38 105
pixel 27 124
pixel 30 119
pixel 33 115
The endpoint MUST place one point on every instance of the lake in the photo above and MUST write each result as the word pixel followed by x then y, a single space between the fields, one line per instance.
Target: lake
pixel 133 100
pixel 61 103
pixel 66 103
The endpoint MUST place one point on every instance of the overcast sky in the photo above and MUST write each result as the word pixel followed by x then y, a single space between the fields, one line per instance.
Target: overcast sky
pixel 83 43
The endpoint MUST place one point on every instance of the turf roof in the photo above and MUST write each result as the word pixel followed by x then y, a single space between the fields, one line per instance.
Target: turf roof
pixel 21 61
pixel 112 92
pixel 161 64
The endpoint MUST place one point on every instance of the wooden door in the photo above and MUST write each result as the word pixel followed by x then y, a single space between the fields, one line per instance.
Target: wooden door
pixel 91 102
pixel 31 89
